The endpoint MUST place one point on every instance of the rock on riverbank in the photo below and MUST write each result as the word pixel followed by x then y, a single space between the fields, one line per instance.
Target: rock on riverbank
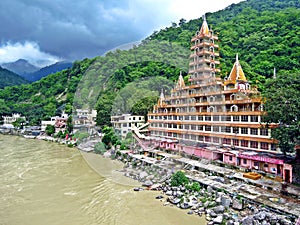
pixel 218 206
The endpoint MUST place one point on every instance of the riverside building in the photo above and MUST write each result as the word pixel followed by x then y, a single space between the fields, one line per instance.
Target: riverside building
pixel 215 118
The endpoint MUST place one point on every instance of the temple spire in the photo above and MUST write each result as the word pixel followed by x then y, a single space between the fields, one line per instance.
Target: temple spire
pixel 161 97
pixel 180 83
pixel 204 28
pixel 237 72
pixel 274 73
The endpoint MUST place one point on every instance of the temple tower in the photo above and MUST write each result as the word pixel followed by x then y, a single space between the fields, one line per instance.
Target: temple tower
pixel 204 59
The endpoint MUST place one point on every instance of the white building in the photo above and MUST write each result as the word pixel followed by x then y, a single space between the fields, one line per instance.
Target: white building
pixel 124 123
pixel 45 123
pixel 85 117
pixel 13 118
pixel 57 121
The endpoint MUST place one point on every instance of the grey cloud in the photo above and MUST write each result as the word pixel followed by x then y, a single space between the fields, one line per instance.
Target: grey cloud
pixel 74 29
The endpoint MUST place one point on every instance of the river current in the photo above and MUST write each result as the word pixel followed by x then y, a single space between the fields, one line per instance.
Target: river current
pixel 44 183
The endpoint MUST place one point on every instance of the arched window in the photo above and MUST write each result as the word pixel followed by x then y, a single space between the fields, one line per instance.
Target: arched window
pixel 193 109
pixel 232 97
pixel 211 99
pixel 211 109
pixel 166 111
pixel 211 49
pixel 177 110
pixel 234 108
pixel 212 65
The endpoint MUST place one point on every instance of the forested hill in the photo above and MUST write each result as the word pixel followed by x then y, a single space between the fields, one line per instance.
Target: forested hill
pixel 266 34
pixel 9 78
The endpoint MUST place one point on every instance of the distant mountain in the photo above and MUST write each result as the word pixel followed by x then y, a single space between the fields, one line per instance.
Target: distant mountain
pixel 21 67
pixel 9 78
pixel 56 67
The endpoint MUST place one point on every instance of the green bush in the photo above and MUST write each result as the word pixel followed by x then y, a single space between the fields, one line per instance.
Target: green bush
pixel 179 178
pixel 195 186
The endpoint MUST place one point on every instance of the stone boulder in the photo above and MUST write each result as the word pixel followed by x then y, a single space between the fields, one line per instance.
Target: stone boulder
pixel 169 193
pixel 218 219
pixel 174 201
pixel 147 183
pixel 185 205
pixel 247 220
pixel 219 209
pixel 142 175
pixel 237 204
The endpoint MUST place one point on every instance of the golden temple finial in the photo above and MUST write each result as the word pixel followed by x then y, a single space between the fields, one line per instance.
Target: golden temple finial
pixel 237 72
pixel 204 28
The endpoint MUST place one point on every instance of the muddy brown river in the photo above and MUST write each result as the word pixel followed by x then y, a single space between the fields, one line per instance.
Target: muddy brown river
pixel 44 183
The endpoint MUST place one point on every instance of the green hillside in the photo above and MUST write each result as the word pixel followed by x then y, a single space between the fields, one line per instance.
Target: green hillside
pixel 8 78
pixel 264 33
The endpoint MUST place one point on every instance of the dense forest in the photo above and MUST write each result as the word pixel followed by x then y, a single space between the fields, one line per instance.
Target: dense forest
pixel 9 78
pixel 266 34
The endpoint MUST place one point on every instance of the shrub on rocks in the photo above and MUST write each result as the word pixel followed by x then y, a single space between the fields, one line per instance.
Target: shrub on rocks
pixel 178 179
pixel 195 186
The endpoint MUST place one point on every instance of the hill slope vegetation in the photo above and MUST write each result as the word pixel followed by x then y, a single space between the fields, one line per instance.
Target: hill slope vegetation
pixel 264 33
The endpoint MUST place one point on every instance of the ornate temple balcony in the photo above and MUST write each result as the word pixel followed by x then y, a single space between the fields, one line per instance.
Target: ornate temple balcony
pixel 203 52
pixel 204 69
pixel 205 43
pixel 203 35
pixel 204 61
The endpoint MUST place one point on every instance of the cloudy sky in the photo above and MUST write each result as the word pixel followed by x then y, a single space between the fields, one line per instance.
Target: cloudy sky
pixel 45 31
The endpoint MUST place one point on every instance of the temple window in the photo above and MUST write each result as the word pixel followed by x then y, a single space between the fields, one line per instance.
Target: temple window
pixel 234 108
pixel 264 132
pixel 254 144
pixel 264 145
pixel 244 118
pixel 211 109
pixel 236 118
pixel 244 143
pixel 244 130
pixel 232 97
pixel 216 118
pixel 254 131
pixel 215 128
pixel 254 118
pixel 207 118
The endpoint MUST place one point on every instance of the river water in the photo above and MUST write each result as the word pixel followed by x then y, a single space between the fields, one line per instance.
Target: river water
pixel 50 184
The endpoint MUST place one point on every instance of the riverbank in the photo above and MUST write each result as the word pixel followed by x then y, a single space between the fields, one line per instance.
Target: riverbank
pixel 221 200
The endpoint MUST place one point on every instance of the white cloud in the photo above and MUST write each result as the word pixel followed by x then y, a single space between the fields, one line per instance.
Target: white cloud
pixel 10 52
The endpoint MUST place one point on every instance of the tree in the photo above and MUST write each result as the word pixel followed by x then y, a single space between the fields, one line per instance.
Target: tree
pixel 109 138
pixel 19 123
pixel 179 178
pixel 70 125
pixel 282 107
pixel 50 129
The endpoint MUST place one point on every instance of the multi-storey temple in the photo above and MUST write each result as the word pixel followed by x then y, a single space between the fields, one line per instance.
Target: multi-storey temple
pixel 211 114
